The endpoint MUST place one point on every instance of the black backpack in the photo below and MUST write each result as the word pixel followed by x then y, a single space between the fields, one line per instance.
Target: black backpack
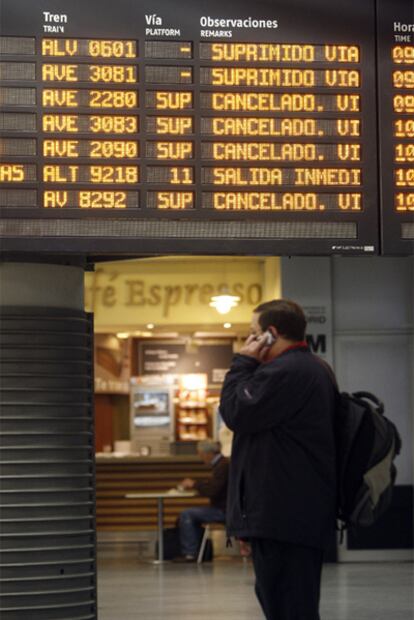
pixel 172 546
pixel 367 444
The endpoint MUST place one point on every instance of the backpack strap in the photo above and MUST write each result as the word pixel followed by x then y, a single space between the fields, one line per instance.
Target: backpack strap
pixel 379 405
pixel 341 527
pixel 328 370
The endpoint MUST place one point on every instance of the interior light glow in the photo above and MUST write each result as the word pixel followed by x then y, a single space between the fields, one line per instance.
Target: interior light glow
pixel 224 303
pixel 193 381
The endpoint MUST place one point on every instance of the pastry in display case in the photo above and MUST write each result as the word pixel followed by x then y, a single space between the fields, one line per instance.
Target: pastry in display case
pixel 193 419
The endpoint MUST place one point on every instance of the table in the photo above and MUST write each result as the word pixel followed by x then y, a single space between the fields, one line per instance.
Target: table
pixel 160 497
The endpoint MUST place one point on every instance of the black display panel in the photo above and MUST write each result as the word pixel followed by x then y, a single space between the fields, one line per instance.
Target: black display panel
pixel 396 126
pixel 189 127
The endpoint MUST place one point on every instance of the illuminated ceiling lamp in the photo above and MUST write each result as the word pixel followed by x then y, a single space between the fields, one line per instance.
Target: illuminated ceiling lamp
pixel 224 302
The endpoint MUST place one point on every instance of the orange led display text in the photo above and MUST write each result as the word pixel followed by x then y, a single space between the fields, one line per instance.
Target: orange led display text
pixel 97 48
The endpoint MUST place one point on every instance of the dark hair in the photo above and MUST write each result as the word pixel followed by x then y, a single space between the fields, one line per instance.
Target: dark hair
pixel 287 316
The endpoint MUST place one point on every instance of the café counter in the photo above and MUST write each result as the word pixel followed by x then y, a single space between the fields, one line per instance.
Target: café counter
pixel 117 476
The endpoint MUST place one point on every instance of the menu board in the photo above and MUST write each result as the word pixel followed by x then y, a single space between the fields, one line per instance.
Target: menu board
pixel 184 127
pixel 396 126
pixel 165 358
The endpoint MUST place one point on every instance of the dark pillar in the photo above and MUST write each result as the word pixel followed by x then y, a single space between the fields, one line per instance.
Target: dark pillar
pixel 47 482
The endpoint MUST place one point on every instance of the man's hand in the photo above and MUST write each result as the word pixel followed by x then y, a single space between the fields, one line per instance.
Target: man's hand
pixel 245 549
pixel 187 483
pixel 256 347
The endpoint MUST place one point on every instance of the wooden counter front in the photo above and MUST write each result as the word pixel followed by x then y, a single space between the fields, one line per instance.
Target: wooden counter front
pixel 117 476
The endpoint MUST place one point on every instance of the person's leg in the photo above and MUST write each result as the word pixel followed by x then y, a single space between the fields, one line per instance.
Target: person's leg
pixel 190 521
pixel 305 572
pixel 287 579
pixel 190 531
pixel 212 515
pixel 269 586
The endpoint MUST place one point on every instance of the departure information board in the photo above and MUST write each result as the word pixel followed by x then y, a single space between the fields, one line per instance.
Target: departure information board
pixel 192 127
pixel 396 126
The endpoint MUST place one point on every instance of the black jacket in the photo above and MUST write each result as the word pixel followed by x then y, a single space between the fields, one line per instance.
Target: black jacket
pixel 216 487
pixel 282 468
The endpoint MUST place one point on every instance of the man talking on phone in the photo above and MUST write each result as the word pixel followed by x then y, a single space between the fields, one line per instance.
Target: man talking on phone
pixel 279 400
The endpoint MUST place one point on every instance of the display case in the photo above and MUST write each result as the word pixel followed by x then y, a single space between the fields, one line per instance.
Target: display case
pixel 192 412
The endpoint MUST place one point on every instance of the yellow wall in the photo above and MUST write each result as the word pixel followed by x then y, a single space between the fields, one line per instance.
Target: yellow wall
pixel 126 295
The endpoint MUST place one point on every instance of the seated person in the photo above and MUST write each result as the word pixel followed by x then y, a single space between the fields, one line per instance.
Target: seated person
pixel 215 489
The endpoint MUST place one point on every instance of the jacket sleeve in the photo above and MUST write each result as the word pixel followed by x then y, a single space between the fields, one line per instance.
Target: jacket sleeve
pixel 216 485
pixel 257 397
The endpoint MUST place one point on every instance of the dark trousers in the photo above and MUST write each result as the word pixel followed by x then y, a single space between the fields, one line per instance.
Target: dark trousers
pixel 288 579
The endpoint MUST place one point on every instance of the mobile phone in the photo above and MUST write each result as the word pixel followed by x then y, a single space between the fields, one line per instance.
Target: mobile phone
pixel 270 339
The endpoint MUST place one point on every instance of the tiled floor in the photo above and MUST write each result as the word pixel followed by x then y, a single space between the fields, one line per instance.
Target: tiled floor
pixel 129 589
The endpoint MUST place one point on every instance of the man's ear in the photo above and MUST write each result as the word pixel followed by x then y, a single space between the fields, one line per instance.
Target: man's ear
pixel 273 331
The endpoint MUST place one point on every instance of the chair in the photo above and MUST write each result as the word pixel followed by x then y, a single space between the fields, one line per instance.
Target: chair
pixel 208 528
